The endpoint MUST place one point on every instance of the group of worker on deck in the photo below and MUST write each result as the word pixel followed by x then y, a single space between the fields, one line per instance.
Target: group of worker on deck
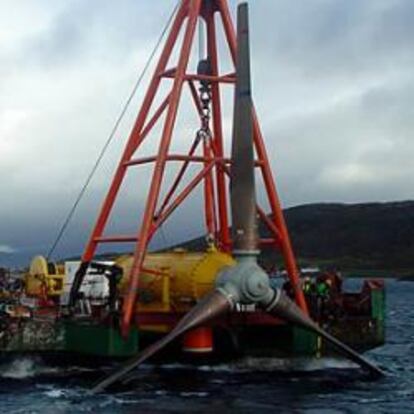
pixel 322 294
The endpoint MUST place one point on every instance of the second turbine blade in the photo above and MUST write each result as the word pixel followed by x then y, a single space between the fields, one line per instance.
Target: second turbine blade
pixel 211 306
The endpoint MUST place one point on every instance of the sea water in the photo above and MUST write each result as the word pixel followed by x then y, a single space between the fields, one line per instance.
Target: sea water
pixel 251 386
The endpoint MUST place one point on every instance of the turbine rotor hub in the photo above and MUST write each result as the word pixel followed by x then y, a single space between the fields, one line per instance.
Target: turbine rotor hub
pixel 246 283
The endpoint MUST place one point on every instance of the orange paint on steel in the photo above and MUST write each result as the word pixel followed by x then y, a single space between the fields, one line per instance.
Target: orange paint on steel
pixel 223 219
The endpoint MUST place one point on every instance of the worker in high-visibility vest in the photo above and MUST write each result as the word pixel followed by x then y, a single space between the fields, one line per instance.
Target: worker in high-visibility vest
pixel 323 288
pixel 323 292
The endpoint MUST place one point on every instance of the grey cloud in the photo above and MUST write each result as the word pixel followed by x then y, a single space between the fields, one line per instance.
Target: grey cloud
pixel 95 30
pixel 324 39
pixel 333 83
pixel 357 150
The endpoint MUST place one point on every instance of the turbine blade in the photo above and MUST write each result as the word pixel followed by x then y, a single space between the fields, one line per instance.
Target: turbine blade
pixel 286 309
pixel 242 187
pixel 211 306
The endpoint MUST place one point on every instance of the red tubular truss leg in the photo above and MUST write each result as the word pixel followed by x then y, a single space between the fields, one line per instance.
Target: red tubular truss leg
pixel 143 239
pixel 224 234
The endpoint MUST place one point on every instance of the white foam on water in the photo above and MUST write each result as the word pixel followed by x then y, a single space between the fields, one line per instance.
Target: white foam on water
pixel 292 364
pixel 78 369
pixel 194 394
pixel 56 393
pixel 27 367
pixel 18 369
pixel 270 364
pixel 131 401
pixel 252 364
pixel 206 368
pixel 173 366
pixel 23 368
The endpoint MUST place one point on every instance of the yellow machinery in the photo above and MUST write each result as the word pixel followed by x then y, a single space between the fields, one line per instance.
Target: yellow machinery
pixel 44 279
pixel 174 279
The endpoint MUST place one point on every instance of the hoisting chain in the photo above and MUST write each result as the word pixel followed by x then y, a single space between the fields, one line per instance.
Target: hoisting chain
pixel 204 68
pixel 204 133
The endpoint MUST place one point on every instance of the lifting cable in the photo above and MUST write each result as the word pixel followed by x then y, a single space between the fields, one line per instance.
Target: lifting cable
pixel 68 218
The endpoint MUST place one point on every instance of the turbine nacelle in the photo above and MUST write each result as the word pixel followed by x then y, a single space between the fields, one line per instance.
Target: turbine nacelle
pixel 246 283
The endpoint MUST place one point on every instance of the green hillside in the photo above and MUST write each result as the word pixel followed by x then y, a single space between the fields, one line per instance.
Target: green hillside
pixel 365 237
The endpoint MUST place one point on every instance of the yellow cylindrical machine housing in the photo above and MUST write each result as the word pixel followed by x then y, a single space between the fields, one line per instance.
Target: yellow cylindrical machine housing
pixel 44 278
pixel 177 277
pixel 35 278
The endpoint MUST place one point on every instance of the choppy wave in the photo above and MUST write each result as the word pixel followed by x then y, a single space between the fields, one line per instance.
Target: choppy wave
pixel 23 368
pixel 321 385
pixel 267 364
pixel 29 367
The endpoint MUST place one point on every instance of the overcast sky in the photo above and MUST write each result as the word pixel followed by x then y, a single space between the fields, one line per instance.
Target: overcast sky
pixel 333 83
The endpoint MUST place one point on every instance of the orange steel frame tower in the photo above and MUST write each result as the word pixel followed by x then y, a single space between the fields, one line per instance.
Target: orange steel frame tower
pixel 215 166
